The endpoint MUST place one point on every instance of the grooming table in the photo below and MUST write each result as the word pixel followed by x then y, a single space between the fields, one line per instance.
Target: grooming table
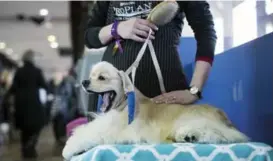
pixel 179 152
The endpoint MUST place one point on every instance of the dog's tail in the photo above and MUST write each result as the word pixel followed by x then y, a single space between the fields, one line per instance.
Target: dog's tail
pixel 233 135
pixel 230 131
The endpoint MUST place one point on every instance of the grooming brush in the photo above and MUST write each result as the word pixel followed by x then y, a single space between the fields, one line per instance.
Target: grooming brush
pixel 163 13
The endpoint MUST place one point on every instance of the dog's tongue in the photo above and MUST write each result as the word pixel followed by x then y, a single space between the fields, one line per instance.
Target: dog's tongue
pixel 105 102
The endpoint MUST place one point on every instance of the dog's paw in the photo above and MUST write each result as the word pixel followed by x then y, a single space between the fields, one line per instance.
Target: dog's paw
pixel 69 151
pixel 76 146
pixel 72 150
pixel 191 136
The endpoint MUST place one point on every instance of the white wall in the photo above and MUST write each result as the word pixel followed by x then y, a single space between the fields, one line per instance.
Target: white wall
pixel 223 24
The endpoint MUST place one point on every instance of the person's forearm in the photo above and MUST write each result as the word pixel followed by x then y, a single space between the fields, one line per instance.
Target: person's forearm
pixel 200 75
pixel 105 34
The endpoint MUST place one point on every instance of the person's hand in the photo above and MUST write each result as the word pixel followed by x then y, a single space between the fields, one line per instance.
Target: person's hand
pixel 183 97
pixel 136 29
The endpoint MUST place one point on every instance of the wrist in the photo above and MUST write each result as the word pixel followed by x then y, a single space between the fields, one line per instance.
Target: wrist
pixel 119 29
pixel 114 30
pixel 194 90
pixel 116 36
pixel 105 34
pixel 196 85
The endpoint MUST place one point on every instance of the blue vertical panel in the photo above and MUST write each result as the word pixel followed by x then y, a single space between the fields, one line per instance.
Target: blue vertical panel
pixel 241 83
pixel 187 51
pixel 261 57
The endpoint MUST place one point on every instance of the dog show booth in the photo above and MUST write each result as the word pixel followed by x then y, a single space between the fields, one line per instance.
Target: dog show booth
pixel 240 83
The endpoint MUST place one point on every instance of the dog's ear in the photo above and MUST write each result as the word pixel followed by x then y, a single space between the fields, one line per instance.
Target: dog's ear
pixel 126 82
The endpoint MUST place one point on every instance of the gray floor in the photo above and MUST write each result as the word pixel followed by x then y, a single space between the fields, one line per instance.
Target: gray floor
pixel 46 148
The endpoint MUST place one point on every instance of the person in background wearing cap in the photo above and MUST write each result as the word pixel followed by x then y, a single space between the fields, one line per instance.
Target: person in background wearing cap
pixel 29 112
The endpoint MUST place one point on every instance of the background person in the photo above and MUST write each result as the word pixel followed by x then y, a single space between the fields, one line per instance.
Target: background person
pixel 29 112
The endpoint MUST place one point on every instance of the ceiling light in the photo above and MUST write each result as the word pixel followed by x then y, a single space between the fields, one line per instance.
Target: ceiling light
pixel 2 45
pixel 43 12
pixel 51 38
pixel 9 51
pixel 54 45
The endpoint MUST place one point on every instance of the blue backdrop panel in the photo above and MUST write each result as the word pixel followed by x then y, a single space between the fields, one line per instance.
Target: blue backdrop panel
pixel 241 83
pixel 187 50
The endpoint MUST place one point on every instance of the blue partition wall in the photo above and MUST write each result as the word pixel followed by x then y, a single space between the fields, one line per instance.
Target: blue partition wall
pixel 241 83
pixel 187 50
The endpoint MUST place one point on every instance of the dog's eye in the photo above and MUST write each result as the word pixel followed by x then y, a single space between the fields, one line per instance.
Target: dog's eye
pixel 101 78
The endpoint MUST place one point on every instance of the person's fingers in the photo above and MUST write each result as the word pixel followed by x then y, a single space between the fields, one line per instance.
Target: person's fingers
pixel 149 24
pixel 143 34
pixel 145 28
pixel 175 97
pixel 137 38
pixel 157 98
pixel 171 102
pixel 169 94
pixel 152 26
pixel 140 33
pixel 152 37
pixel 164 98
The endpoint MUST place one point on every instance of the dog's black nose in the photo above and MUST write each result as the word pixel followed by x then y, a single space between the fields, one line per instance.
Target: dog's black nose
pixel 85 83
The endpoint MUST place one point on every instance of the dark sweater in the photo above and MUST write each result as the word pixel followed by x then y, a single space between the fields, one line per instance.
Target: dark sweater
pixel 29 112
pixel 166 41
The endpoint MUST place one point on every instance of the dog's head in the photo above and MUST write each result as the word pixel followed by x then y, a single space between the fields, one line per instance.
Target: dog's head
pixel 110 83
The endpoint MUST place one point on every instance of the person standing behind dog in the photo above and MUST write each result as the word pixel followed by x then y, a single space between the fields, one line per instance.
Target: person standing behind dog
pixel 29 112
pixel 128 21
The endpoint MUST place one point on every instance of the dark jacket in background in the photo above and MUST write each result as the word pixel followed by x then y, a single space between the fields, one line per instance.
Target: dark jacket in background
pixel 29 111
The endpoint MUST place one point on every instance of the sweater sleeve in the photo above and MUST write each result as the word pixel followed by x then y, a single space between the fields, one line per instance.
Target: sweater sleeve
pixel 200 19
pixel 96 20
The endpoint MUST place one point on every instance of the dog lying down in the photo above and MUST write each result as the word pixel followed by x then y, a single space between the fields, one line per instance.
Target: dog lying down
pixel 153 123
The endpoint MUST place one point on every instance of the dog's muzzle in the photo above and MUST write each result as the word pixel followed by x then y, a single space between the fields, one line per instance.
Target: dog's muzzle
pixel 107 97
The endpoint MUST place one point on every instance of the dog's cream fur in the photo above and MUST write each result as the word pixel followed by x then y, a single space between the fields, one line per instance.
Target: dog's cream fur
pixel 154 123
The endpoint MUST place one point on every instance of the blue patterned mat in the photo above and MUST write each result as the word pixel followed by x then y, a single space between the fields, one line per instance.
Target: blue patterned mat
pixel 179 152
